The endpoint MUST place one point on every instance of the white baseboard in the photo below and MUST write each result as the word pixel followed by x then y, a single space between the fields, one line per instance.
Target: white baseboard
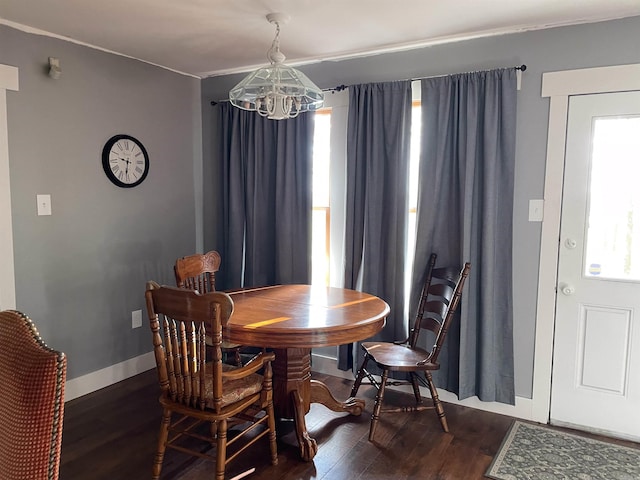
pixel 522 409
pixel 93 381
pixel 328 366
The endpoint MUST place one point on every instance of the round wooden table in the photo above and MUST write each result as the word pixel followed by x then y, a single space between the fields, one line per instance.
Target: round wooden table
pixel 291 319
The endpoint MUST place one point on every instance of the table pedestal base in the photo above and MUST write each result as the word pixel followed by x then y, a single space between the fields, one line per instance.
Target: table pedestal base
pixel 294 391
pixel 320 393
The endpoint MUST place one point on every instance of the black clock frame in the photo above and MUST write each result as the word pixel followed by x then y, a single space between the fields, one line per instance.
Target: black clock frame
pixel 105 161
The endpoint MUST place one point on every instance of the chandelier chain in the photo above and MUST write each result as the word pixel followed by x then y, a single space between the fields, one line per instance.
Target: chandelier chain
pixel 274 52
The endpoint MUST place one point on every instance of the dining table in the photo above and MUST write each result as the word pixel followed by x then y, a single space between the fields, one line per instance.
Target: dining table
pixel 293 319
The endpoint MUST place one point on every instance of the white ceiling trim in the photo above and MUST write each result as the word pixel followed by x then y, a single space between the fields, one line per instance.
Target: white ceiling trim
pixel 408 46
pixel 37 31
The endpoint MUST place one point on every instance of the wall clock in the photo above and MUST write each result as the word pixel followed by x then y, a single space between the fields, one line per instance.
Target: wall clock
pixel 125 161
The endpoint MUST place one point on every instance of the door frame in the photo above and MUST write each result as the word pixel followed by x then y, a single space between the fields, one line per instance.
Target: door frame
pixel 8 81
pixel 558 87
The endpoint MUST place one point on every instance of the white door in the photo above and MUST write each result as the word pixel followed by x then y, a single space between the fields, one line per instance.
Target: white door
pixel 596 360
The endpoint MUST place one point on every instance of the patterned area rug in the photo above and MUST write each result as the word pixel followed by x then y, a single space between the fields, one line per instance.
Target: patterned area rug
pixel 534 452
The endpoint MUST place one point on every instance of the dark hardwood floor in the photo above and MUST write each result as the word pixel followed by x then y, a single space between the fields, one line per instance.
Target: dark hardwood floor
pixel 111 434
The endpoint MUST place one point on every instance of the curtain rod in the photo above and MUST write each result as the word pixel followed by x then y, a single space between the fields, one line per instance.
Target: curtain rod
pixel 339 88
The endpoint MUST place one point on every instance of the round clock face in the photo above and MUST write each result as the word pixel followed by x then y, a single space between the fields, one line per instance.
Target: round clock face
pixel 125 161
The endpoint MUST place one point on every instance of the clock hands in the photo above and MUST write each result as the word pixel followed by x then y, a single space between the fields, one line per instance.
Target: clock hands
pixel 126 170
pixel 128 162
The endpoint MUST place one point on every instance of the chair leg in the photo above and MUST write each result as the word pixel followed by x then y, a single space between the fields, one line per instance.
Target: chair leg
pixel 238 358
pixel 436 402
pixel 416 387
pixel 359 375
pixel 273 445
pixel 213 431
pixel 376 409
pixel 221 449
pixel 162 443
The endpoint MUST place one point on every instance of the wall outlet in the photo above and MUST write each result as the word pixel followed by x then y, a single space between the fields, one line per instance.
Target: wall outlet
pixel 136 319
pixel 44 204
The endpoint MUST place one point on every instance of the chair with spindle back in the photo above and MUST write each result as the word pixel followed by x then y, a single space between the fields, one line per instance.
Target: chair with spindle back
pixel 198 272
pixel 439 300
pixel 198 391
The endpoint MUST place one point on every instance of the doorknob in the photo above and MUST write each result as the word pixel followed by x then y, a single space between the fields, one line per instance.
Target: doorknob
pixel 567 289
pixel 570 243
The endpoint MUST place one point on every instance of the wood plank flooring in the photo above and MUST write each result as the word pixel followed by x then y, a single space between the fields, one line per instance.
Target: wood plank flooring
pixel 111 434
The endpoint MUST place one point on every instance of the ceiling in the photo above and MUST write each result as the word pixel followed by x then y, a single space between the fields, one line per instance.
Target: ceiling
pixel 215 37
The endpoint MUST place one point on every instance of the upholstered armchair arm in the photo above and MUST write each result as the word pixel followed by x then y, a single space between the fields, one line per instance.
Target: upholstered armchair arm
pixel 255 364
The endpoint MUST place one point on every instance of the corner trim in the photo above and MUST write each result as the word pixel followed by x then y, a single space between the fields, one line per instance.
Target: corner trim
pixel 8 81
pixel 8 77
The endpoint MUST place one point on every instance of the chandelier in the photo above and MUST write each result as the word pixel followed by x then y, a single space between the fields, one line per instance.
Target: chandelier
pixel 277 91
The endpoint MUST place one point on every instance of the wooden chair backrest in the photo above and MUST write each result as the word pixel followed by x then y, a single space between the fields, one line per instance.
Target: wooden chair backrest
pixel 31 400
pixel 439 301
pixel 179 320
pixel 198 271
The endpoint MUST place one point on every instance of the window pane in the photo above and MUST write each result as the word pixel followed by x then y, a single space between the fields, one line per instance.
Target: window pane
pixel 319 250
pixel 414 162
pixel 613 232
pixel 320 225
pixel 416 123
pixel 321 157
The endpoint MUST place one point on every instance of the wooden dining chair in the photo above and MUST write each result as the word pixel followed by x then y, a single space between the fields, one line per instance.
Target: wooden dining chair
pixel 32 379
pixel 197 393
pixel 439 300
pixel 198 272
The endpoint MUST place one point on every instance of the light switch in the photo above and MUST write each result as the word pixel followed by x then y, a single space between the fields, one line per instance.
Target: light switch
pixel 536 210
pixel 44 204
pixel 136 319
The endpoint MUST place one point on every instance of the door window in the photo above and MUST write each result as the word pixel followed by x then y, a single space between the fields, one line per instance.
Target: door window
pixel 613 228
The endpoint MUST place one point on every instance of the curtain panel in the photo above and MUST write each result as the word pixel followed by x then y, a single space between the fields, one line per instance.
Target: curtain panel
pixel 465 211
pixel 265 194
pixel 378 143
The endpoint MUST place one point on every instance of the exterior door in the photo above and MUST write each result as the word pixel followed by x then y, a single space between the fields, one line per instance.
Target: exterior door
pixel 596 360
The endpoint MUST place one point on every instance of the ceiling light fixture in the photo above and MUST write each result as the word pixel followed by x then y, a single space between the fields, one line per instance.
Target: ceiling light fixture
pixel 277 91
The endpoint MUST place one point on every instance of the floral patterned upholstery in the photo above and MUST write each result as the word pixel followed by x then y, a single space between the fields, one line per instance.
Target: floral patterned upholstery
pixel 232 390
pixel 31 401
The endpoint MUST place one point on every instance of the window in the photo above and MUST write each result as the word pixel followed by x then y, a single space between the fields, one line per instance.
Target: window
pixel 329 188
pixel 320 238
pixel 613 229
pixel 329 157
pixel 414 163
pixel 329 173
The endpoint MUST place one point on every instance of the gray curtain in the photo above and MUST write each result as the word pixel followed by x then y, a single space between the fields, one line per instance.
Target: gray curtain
pixel 265 198
pixel 378 141
pixel 465 210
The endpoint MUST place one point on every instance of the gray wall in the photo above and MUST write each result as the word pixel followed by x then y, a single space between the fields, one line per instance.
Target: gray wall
pixel 82 271
pixel 580 46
